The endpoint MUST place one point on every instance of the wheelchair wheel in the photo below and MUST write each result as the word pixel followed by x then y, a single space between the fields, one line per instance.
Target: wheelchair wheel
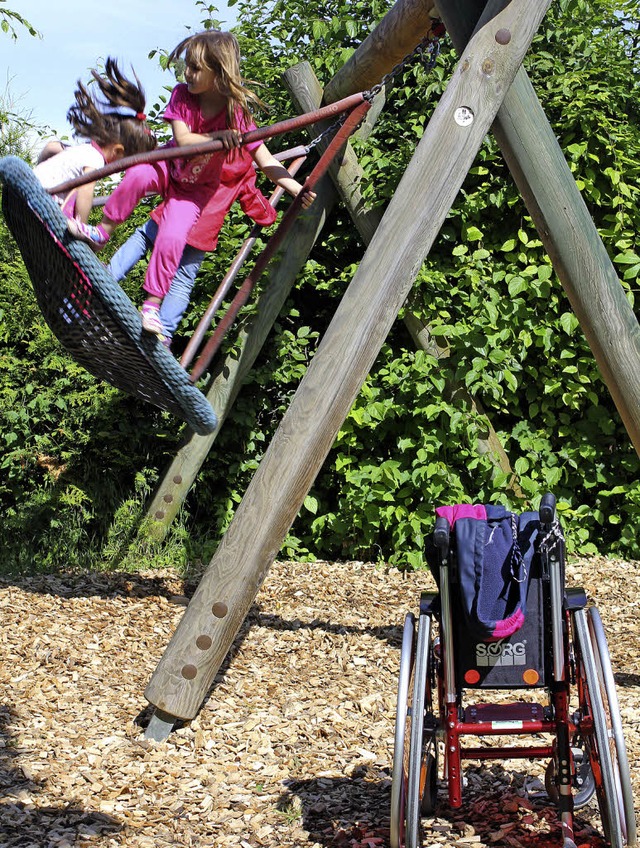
pixel 421 777
pixel 614 726
pixel 400 765
pixel 600 729
pixel 429 778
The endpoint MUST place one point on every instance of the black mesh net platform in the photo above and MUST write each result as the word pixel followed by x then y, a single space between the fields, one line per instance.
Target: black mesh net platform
pixel 87 310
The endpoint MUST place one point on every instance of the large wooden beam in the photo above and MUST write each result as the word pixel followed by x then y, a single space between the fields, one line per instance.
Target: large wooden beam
pixel 400 31
pixel 396 35
pixel 179 476
pixel 340 366
pixel 306 93
pixel 558 210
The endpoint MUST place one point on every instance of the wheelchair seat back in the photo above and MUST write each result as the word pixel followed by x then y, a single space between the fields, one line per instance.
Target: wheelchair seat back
pixel 499 597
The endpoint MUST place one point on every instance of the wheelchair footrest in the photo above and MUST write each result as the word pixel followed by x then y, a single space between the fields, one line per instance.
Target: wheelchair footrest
pixel 481 713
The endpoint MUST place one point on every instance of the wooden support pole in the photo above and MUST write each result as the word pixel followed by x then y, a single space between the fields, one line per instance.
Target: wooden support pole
pixel 398 33
pixel 181 473
pixel 566 229
pixel 342 362
pixel 555 204
pixel 306 93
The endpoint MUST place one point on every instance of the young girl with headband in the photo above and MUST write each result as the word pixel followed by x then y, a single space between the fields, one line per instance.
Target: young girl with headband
pixel 211 104
pixel 114 124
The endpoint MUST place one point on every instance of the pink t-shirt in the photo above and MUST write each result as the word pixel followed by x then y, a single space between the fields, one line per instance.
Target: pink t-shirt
pixel 204 169
pixel 230 174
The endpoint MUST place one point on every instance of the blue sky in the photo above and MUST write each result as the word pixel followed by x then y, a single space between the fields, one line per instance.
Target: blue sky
pixel 41 73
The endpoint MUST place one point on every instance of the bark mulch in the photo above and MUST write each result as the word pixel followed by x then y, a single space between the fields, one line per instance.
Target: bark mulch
pixel 293 747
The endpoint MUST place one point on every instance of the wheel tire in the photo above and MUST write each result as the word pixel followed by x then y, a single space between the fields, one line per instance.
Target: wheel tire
pixel 421 697
pixel 401 737
pixel 600 745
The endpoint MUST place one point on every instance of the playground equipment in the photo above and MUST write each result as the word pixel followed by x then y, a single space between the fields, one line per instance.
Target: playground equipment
pixel 502 619
pixel 488 89
pixel 483 81
pixel 88 311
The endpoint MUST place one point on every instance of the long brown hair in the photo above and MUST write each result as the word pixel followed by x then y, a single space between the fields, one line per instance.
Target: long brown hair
pixel 116 115
pixel 219 52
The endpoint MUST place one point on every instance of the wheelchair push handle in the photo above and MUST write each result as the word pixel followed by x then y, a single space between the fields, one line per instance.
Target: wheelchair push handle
pixel 547 510
pixel 441 535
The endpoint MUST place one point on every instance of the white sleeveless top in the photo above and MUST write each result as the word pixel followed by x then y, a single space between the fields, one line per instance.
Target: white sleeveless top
pixel 71 162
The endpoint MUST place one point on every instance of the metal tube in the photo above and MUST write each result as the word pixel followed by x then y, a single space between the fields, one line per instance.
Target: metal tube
pixel 239 260
pixel 272 245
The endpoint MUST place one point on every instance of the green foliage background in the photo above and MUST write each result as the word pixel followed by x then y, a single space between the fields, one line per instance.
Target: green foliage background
pixel 79 458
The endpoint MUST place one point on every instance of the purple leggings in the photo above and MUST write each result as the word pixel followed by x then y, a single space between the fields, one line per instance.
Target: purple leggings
pixel 182 208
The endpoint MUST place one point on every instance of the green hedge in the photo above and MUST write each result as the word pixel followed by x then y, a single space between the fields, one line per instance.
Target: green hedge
pixel 80 458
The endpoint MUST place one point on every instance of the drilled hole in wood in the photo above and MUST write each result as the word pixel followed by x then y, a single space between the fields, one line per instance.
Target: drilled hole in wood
pixel 203 642
pixel 159 515
pixel 189 672
pixel 168 498
pixel 177 479
pixel 219 610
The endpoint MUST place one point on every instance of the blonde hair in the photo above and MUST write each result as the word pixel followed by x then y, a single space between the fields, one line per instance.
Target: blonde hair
pixel 116 116
pixel 219 52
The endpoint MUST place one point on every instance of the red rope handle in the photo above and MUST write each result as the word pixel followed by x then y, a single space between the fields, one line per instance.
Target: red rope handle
pixel 186 152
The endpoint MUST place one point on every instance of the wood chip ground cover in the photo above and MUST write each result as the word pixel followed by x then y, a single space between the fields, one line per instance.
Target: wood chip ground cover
pixel 293 747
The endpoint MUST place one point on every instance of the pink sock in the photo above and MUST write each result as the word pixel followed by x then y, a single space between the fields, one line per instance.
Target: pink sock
pixel 103 232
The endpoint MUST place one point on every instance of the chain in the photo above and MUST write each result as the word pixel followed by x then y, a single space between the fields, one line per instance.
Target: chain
pixel 329 131
pixel 430 44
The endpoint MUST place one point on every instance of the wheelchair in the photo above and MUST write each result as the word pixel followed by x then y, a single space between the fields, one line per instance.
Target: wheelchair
pixel 503 619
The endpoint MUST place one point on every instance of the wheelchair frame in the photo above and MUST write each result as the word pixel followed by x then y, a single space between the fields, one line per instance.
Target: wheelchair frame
pixel 586 751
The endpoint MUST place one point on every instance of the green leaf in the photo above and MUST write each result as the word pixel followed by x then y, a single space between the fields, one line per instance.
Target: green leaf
pixel 473 234
pixel 311 504
pixel 569 322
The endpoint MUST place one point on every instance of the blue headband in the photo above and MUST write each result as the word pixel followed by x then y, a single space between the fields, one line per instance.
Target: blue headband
pixel 121 111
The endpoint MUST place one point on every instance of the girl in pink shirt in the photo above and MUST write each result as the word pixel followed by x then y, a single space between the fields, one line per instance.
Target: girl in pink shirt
pixel 211 104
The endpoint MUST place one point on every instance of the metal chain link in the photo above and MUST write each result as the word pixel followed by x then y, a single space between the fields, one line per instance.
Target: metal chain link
pixel 328 131
pixel 430 44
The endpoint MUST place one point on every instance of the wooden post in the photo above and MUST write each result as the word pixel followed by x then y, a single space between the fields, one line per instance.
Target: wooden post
pixel 402 28
pixel 179 476
pixel 342 362
pixel 306 93
pixel 555 204
pixel 566 229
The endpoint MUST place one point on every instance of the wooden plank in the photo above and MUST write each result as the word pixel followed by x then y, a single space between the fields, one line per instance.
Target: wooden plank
pixel 352 341
pixel 567 230
pixel 398 33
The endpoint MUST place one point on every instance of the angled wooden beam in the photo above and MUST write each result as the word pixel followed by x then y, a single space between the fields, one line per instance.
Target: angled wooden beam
pixel 401 29
pixel 306 93
pixel 179 476
pixel 340 366
pixel 566 229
